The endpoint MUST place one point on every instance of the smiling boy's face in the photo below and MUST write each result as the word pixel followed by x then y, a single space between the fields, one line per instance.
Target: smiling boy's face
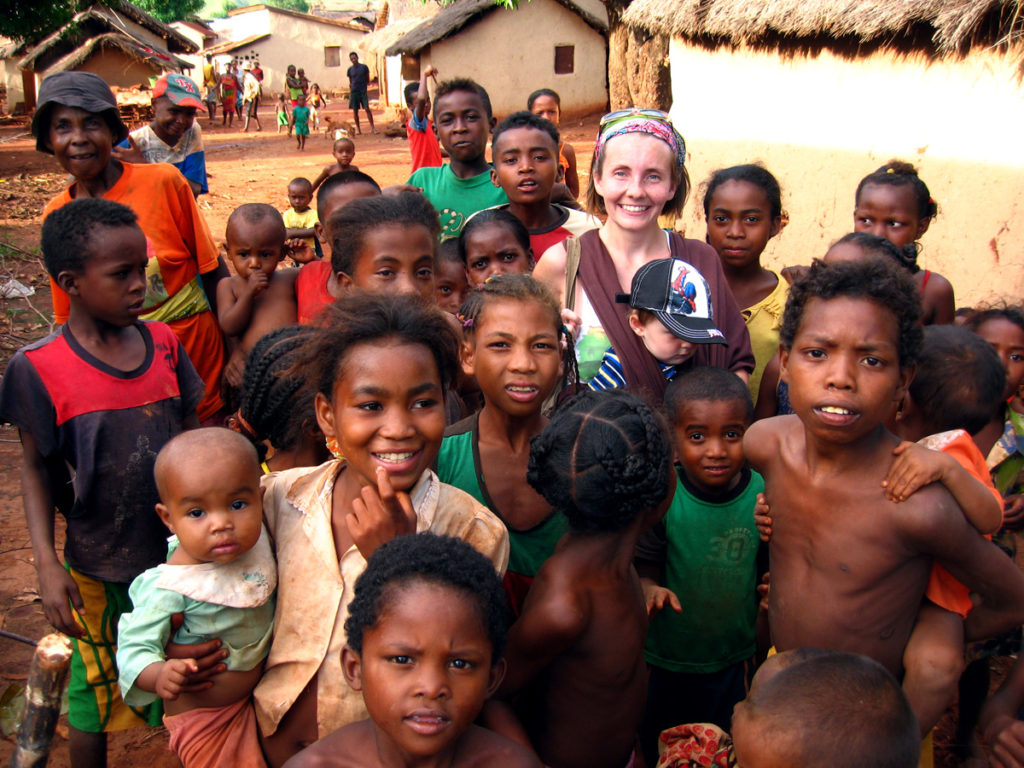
pixel 525 165
pixel 462 125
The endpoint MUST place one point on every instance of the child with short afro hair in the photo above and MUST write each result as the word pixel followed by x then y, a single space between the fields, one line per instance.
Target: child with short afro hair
pixel 426 630
pixel 576 651
pixel 838 709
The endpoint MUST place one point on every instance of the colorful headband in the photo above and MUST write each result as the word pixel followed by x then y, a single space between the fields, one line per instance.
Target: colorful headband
pixel 649 121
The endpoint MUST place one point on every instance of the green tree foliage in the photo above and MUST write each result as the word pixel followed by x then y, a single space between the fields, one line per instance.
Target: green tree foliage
pixel 33 21
pixel 171 10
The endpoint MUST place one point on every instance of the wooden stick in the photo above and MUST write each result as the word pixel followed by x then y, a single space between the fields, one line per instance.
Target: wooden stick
pixel 42 701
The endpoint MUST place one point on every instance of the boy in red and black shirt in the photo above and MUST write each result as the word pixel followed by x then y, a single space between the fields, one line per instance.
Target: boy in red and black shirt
pixel 96 400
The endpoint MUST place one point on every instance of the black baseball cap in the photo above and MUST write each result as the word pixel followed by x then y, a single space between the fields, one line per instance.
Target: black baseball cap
pixel 83 90
pixel 679 296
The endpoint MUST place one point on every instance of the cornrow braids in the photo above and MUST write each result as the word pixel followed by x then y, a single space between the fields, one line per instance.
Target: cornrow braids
pixel 899 173
pixel 602 460
pixel 522 288
pixel 274 403
pixel 873 245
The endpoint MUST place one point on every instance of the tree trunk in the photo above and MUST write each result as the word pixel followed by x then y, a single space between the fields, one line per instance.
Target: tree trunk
pixel 638 72
pixel 42 701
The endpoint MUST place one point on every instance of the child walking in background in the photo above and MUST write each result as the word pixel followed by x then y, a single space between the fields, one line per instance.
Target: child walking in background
pixel 440 601
pixel 317 102
pixel 547 104
pixel 424 150
pixel 344 150
pixel 699 566
pixel 575 655
pixel 228 95
pixel 670 311
pixel 380 365
pixel 283 118
pixel 300 221
pixel 893 202
pixel 220 575
pixel 743 209
pixel 121 390
pixel 275 408
pixel 259 298
pixel 516 347
pixel 300 122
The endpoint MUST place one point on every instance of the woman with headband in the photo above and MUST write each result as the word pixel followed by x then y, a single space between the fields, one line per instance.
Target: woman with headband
pixel 637 174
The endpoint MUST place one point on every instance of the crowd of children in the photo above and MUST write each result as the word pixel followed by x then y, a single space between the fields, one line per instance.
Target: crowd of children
pixel 481 478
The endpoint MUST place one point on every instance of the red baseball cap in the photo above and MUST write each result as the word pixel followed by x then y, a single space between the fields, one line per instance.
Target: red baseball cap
pixel 179 89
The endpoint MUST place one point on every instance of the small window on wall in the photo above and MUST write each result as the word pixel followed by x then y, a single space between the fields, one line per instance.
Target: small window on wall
pixel 332 55
pixel 564 59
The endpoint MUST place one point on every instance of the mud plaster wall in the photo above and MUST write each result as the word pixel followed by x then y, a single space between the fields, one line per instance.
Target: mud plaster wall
pixel 820 123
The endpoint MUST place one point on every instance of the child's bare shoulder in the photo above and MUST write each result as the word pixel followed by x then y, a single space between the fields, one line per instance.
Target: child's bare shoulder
pixel 284 278
pixel 557 602
pixel 348 747
pixel 928 517
pixel 481 748
pixel 763 439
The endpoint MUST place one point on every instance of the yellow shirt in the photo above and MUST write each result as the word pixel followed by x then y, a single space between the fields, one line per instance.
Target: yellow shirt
pixel 315 586
pixel 763 322
pixel 305 220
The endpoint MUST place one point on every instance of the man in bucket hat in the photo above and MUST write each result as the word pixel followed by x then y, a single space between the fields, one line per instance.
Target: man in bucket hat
pixel 173 136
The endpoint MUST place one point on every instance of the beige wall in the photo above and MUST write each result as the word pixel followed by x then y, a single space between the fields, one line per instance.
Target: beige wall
pixel 295 41
pixel 821 123
pixel 525 60
pixel 13 81
pixel 117 68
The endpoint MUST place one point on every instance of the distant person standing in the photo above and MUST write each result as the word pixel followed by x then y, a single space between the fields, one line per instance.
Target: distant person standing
pixel 358 82
pixel 210 83
pixel 250 97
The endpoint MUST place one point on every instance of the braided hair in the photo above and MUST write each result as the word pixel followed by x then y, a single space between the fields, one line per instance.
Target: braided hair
pixel 522 288
pixel 274 404
pixel 899 173
pixel 603 459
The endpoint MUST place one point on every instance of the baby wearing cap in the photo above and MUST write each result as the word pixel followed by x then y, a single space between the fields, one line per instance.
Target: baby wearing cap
pixel 670 310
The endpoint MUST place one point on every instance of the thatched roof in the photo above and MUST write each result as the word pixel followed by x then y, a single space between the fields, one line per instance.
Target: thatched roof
pixel 381 39
pixel 954 23
pixel 161 61
pixel 298 15
pixel 97 23
pixel 463 12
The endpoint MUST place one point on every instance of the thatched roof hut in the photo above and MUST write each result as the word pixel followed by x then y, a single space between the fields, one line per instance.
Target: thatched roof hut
pixel 825 91
pixel 559 44
pixel 949 25
pixel 117 40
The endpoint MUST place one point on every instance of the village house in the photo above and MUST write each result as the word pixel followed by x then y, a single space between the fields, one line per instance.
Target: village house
pixel 278 37
pixel 824 93
pixel 117 41
pixel 557 44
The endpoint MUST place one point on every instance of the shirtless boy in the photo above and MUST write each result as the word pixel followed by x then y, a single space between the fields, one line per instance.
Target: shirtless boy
pixel 849 567
pixel 259 298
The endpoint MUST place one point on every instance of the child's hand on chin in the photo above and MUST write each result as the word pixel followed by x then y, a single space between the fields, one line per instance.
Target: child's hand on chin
pixel 381 514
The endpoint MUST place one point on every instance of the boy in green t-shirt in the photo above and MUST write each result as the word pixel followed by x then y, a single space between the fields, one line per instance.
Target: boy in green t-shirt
pixel 461 187
pixel 705 550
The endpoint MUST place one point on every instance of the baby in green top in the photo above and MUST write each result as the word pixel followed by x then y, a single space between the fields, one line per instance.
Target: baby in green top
pixel 220 575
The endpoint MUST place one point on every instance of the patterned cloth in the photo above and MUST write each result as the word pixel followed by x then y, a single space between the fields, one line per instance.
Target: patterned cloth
pixel 648 121
pixel 697 745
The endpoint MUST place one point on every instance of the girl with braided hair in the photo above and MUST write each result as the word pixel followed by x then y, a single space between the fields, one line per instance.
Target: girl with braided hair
pixel 575 655
pixel 275 406
pixel 893 202
pixel 513 345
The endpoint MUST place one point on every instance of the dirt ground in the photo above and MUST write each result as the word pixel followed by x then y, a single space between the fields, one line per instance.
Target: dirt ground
pixel 253 167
